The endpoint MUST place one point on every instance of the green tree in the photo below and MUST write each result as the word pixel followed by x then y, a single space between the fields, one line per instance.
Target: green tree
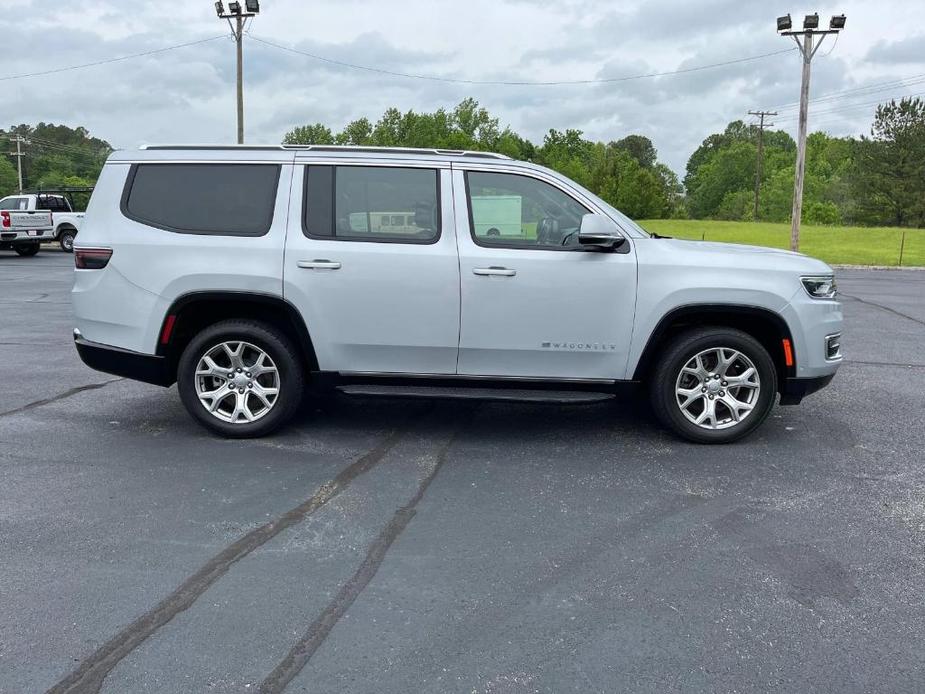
pixel 315 134
pixel 57 153
pixel 626 173
pixel 9 179
pixel 639 148
pixel 727 170
pixel 358 132
pixel 889 173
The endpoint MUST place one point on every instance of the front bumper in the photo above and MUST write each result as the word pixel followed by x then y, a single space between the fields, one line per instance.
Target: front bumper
pixel 794 390
pixel 148 368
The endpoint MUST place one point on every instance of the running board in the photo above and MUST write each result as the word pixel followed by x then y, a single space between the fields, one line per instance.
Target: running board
pixel 557 397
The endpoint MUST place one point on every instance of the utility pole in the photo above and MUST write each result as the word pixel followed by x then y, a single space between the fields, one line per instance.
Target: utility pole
pixel 808 47
pixel 761 126
pixel 19 154
pixel 237 20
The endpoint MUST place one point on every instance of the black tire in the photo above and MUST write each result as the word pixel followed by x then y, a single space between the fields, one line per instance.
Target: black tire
pixel 27 250
pixel 66 240
pixel 684 348
pixel 280 350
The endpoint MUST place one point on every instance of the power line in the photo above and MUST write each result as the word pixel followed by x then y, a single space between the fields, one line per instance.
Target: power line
pixel 108 60
pixel 854 107
pixel 53 147
pixel 860 91
pixel 513 83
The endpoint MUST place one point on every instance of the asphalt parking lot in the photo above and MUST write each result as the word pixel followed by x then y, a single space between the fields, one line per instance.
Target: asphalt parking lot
pixel 396 546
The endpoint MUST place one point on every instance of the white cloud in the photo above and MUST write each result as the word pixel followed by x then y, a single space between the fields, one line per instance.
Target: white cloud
pixel 188 94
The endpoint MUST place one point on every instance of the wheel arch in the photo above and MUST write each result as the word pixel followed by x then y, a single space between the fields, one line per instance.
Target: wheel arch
pixel 766 326
pixel 64 226
pixel 193 312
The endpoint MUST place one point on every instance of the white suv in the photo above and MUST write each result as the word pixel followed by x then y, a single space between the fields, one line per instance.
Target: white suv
pixel 252 275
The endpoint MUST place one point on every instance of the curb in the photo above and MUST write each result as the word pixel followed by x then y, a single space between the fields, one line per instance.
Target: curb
pixel 913 268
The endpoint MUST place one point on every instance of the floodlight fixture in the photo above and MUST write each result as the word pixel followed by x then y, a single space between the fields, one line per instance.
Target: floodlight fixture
pixel 219 8
pixel 234 7
pixel 784 23
pixel 253 6
pixel 811 21
pixel 837 22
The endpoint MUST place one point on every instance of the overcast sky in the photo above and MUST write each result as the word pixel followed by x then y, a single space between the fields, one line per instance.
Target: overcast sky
pixel 187 95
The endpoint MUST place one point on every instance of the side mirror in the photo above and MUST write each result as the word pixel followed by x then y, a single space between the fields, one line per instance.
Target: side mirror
pixel 598 231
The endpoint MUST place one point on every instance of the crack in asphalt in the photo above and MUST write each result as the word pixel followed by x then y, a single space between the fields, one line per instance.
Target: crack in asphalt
pixel 885 308
pixel 89 676
pixel 303 650
pixel 884 363
pixel 60 396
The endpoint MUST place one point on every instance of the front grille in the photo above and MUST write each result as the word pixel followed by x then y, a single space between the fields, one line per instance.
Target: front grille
pixel 833 347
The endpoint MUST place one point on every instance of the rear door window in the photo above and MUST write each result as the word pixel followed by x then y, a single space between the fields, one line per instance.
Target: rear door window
pixel 369 203
pixel 219 199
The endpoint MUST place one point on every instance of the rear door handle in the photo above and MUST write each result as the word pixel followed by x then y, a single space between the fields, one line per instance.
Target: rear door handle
pixel 319 264
pixel 493 270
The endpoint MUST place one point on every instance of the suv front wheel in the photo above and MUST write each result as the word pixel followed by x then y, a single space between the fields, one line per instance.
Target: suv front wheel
pixel 713 385
pixel 240 378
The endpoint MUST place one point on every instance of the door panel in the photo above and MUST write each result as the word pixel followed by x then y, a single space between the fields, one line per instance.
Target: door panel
pixel 385 305
pixel 533 310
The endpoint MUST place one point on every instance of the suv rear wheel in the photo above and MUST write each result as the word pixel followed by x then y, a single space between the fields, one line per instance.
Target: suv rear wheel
pixel 713 385
pixel 241 378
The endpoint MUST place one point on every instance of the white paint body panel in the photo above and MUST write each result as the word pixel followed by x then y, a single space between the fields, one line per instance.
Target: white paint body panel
pixel 125 304
pixel 389 307
pixel 564 314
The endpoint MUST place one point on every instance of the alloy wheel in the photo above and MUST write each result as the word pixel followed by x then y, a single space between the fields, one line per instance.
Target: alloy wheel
pixel 718 388
pixel 237 382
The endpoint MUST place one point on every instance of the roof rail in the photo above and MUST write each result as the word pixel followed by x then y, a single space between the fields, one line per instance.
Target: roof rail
pixel 336 148
pixel 400 150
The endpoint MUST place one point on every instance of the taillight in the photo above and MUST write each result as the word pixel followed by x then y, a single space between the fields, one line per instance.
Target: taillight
pixel 6 219
pixel 91 258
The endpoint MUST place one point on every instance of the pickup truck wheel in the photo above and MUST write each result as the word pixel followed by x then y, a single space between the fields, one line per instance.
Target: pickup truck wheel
pixel 66 240
pixel 27 250
pixel 240 378
pixel 713 385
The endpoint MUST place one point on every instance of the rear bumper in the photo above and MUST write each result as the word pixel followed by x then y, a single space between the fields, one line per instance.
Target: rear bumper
pixel 795 389
pixel 26 236
pixel 148 368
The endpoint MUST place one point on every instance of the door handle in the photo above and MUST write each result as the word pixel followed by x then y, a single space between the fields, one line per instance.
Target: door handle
pixel 493 270
pixel 319 264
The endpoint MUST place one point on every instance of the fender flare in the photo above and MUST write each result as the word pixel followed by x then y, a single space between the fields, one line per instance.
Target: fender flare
pixel 252 299
pixel 679 313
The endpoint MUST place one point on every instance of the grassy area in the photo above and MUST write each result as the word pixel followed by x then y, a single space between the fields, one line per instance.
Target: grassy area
pixel 837 245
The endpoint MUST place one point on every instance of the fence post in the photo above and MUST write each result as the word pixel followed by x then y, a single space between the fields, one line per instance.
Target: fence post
pixel 703 235
pixel 902 247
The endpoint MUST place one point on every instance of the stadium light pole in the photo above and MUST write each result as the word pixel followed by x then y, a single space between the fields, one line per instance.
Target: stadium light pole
pixel 239 16
pixel 812 38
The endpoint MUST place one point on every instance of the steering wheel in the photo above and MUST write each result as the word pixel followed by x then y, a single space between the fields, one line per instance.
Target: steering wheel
pixel 568 237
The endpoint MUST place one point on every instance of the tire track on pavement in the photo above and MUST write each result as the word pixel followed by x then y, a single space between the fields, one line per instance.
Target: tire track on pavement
pixel 60 396
pixel 884 308
pixel 298 657
pixel 89 676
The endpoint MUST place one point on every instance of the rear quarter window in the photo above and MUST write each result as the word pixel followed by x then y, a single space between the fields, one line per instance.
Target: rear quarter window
pixel 216 199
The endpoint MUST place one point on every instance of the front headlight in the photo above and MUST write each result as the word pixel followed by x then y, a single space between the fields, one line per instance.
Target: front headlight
pixel 822 287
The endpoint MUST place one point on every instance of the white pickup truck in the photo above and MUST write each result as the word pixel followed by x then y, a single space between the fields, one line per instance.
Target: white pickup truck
pixel 65 221
pixel 23 229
